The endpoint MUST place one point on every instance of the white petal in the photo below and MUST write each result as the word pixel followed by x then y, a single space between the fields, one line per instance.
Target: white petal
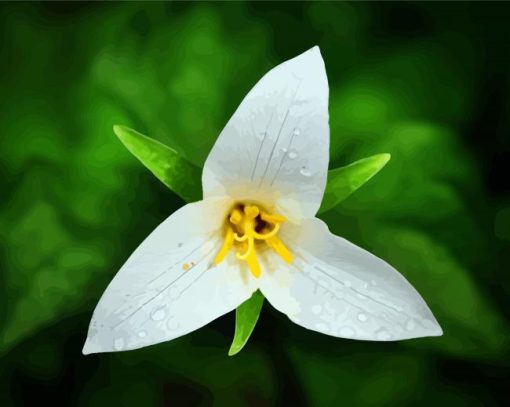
pixel 339 289
pixel 275 148
pixel 169 286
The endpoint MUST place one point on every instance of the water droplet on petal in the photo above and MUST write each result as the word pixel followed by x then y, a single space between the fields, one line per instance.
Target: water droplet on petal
pixel 297 132
pixel 173 325
pixel 362 317
pixel 316 309
pixel 142 334
pixel 158 314
pixel 118 344
pixel 292 155
pixel 305 172
pixel 347 283
pixel 283 150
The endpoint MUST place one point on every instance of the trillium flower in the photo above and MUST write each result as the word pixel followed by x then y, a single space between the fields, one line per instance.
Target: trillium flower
pixel 256 229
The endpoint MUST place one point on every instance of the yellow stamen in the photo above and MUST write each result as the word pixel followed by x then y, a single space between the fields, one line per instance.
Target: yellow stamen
pixel 227 244
pixel 249 250
pixel 240 238
pixel 265 236
pixel 247 227
pixel 253 264
pixel 272 218
pixel 251 211
pixel 236 217
pixel 277 245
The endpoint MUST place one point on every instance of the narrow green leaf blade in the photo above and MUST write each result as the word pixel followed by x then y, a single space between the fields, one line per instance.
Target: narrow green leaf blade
pixel 343 181
pixel 247 315
pixel 166 164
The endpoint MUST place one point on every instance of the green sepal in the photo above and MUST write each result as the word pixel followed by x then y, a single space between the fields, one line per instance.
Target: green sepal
pixel 343 181
pixel 247 315
pixel 165 163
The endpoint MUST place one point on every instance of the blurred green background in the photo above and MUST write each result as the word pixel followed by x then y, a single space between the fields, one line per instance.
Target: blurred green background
pixel 426 82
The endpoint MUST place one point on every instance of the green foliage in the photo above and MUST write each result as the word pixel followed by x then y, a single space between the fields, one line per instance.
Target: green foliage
pixel 166 164
pixel 343 181
pixel 247 315
pixel 75 204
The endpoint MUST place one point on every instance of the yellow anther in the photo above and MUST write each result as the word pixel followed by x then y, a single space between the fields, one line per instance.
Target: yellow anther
pixel 251 211
pixel 227 244
pixel 242 235
pixel 236 217
pixel 272 218
pixel 277 245
pixel 253 264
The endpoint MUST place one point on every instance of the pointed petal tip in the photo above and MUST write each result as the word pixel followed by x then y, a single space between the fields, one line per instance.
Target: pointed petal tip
pixel 89 348
pixel 438 331
pixel 433 329
pixel 315 51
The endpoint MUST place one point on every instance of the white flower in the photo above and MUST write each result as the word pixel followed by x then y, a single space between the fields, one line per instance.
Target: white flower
pixel 263 183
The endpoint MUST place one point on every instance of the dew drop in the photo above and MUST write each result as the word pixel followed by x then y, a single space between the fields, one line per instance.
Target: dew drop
pixel 362 317
pixel 118 344
pixel 347 283
pixel 410 325
pixel 283 150
pixel 316 309
pixel 305 172
pixel 173 325
pixel 158 314
pixel 142 334
pixel 292 155
pixel 297 132
pixel 361 296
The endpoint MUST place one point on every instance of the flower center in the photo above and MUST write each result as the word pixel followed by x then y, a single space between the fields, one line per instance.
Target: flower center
pixel 246 227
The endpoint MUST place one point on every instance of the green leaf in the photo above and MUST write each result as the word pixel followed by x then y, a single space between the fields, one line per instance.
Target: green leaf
pixel 247 315
pixel 166 164
pixel 343 181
